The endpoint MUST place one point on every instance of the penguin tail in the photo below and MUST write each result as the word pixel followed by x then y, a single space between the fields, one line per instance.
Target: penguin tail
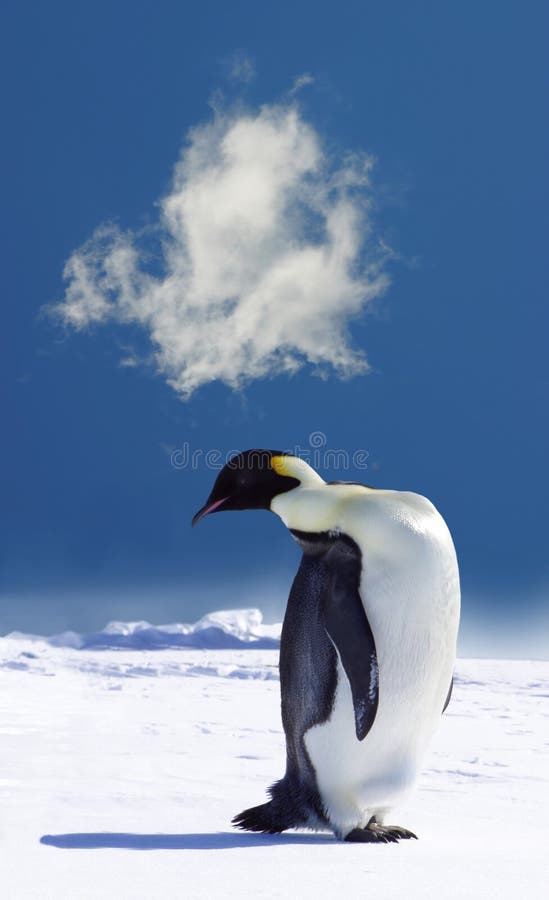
pixel 281 812
pixel 264 818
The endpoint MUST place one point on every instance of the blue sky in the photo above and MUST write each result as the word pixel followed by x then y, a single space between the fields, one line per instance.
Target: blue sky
pixel 422 123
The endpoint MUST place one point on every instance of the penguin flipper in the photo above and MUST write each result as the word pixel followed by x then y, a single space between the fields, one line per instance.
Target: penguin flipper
pixel 348 628
pixel 448 696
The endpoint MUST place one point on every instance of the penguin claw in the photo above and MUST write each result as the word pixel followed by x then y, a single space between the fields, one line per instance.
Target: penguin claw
pixel 390 837
pixel 402 834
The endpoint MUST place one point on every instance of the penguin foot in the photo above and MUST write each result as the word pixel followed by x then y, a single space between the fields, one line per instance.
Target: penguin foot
pixel 363 836
pixel 379 834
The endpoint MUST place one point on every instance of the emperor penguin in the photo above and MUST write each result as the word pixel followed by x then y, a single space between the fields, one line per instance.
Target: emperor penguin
pixel 368 643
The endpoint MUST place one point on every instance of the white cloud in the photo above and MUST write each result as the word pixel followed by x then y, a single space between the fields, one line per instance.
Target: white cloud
pixel 302 81
pixel 241 67
pixel 266 255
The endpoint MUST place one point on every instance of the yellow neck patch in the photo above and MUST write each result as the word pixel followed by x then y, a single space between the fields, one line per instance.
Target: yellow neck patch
pixel 280 465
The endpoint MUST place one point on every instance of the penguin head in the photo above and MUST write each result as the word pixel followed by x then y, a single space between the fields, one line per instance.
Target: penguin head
pixel 252 479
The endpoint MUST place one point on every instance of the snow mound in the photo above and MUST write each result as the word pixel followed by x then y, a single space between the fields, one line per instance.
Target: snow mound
pixel 233 629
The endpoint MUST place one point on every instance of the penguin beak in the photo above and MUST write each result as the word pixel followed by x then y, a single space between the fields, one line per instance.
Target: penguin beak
pixel 208 508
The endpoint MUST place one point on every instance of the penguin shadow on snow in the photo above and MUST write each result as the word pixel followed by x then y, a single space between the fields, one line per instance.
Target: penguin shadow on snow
pixel 198 841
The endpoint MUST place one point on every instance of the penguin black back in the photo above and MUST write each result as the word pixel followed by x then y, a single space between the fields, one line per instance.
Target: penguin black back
pixel 324 593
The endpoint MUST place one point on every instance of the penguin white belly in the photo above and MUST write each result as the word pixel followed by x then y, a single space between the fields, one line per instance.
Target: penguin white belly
pixel 411 599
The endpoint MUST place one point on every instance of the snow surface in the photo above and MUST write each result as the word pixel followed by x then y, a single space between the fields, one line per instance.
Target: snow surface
pixel 121 765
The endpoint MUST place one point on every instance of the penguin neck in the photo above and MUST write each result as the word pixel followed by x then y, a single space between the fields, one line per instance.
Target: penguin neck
pixel 310 507
pixel 299 504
